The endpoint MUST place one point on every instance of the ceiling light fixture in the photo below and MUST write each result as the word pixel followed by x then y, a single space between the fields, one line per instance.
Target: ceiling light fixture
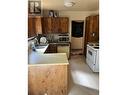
pixel 69 3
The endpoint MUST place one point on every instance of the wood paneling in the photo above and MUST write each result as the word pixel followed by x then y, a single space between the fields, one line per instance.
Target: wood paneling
pixel 50 79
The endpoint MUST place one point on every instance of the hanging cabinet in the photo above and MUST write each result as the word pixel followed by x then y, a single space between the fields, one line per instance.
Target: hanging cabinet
pixel 55 25
pixel 91 30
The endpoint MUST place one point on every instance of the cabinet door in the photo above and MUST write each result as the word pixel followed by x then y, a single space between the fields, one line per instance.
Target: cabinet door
pixel 31 27
pixel 52 48
pixel 64 25
pixel 48 80
pixel 97 27
pixel 55 25
pixel 43 25
pixel 47 25
pixel 93 35
pixel 38 25
pixel 60 25
pixel 64 49
pixel 87 29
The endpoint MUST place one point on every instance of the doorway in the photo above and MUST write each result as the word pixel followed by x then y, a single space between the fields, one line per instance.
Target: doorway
pixel 77 31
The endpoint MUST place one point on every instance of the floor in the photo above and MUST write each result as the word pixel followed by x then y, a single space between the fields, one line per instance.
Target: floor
pixel 76 51
pixel 83 81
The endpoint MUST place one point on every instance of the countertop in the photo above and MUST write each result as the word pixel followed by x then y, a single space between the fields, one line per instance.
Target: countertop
pixel 51 58
pixel 38 57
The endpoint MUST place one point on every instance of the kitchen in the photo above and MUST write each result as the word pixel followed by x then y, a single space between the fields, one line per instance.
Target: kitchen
pixel 53 45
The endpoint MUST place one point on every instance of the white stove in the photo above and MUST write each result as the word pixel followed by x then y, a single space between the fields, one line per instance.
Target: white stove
pixel 92 57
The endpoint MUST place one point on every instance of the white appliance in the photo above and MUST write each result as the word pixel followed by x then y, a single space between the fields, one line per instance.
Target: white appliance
pixel 64 48
pixel 92 57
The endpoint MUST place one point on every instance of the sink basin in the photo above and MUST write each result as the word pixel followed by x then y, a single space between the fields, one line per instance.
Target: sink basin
pixel 96 47
pixel 40 47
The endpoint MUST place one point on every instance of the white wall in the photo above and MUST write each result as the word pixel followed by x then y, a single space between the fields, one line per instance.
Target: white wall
pixel 77 43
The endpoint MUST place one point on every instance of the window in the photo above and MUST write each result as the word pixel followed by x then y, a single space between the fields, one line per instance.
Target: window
pixel 77 28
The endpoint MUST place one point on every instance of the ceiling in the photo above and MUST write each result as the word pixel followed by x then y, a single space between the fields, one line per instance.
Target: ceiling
pixel 81 5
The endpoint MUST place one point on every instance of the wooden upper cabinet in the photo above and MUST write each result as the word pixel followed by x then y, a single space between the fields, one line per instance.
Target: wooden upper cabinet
pixel 31 27
pixel 34 25
pixel 46 25
pixel 91 30
pixel 55 25
pixel 38 25
pixel 64 21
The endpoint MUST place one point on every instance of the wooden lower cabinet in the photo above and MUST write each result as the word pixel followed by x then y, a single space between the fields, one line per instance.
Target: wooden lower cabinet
pixel 52 48
pixel 48 80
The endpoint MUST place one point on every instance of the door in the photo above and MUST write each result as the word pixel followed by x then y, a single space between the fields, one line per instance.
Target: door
pixel 91 54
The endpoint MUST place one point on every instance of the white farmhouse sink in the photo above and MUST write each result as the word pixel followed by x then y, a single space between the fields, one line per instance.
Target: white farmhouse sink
pixel 41 48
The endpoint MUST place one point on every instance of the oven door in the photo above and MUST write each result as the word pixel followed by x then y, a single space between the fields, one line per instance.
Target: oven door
pixel 91 55
pixel 92 59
